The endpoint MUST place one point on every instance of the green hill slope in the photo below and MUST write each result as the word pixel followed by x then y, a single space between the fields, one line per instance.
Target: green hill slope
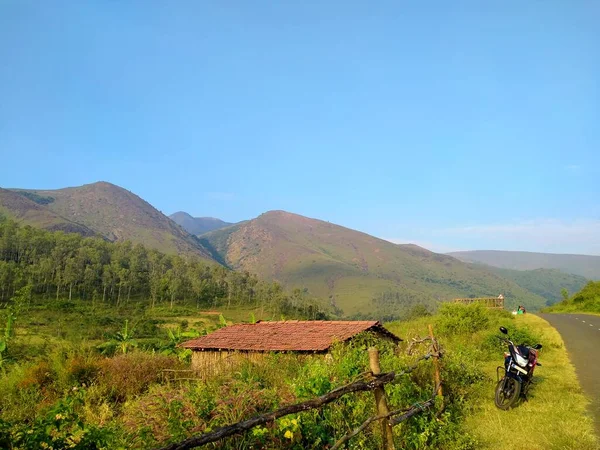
pixel 354 271
pixel 587 266
pixel 112 212
pixel 586 300
pixel 546 283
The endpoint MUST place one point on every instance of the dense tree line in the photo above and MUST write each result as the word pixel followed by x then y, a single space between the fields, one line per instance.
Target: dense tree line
pixel 69 266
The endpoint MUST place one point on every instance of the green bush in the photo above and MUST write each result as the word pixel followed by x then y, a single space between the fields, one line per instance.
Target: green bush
pixel 586 300
pixel 19 401
pixel 519 335
pixel 60 427
pixel 456 318
pixel 315 381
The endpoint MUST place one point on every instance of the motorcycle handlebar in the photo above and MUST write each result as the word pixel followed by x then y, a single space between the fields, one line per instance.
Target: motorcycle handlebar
pixel 503 339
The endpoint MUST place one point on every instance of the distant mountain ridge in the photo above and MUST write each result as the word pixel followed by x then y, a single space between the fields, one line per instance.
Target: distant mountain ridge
pixel 587 266
pixel 197 225
pixel 100 208
pixel 354 273
pixel 358 273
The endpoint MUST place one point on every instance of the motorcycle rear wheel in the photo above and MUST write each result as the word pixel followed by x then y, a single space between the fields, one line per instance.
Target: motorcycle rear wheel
pixel 507 393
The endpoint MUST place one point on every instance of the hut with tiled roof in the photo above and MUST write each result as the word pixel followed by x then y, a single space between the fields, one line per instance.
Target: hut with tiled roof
pixel 253 340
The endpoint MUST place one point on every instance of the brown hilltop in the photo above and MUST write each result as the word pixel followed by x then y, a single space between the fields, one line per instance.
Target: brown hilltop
pixel 116 214
pixel 350 267
pixel 23 209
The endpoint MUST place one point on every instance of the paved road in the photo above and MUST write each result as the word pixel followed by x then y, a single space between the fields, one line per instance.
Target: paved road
pixel 581 333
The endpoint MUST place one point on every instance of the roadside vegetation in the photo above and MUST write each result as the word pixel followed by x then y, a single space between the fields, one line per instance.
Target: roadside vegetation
pixel 554 417
pixel 77 376
pixel 102 384
pixel 587 300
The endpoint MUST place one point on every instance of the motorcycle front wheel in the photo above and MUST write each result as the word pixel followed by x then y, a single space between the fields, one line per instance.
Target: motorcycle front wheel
pixel 507 392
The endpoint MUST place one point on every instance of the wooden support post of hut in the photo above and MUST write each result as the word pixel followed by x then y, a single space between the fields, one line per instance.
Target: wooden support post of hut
pixel 387 433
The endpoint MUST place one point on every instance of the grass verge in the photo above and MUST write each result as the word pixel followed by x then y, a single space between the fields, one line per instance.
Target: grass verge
pixel 555 416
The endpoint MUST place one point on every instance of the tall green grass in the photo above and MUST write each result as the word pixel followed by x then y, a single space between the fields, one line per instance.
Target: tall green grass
pixel 555 415
pixel 71 396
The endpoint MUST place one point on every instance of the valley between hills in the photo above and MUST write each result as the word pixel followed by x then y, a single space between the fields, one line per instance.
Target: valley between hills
pixel 352 274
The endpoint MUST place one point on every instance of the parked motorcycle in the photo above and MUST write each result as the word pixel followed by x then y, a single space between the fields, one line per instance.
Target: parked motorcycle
pixel 519 364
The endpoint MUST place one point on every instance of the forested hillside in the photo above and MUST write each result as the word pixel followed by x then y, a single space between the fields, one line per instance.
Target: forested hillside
pixel 586 300
pixel 547 283
pixel 68 266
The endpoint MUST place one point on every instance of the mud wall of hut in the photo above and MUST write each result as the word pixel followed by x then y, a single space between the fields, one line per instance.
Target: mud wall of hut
pixel 209 363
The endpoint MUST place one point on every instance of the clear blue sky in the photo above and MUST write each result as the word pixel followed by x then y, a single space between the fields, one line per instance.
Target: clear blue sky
pixel 457 125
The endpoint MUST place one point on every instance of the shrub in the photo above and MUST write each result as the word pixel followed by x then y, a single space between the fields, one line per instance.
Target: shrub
pixel 39 376
pixel 164 413
pixel 60 427
pixel 17 402
pixel 132 373
pixel 148 328
pixel 315 381
pixel 82 371
pixel 461 369
pixel 416 312
pixel 519 335
pixel 456 318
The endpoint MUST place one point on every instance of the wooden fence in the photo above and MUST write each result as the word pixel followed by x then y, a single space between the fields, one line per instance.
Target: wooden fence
pixel 489 302
pixel 372 380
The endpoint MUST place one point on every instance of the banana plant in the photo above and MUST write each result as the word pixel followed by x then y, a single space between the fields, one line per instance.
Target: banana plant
pixel 122 341
pixel 175 337
pixel 125 338
pixel 3 348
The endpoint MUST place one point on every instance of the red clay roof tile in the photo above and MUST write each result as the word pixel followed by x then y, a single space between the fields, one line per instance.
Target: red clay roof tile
pixel 291 335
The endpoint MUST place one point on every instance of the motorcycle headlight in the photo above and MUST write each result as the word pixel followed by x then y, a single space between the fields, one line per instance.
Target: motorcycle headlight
pixel 521 361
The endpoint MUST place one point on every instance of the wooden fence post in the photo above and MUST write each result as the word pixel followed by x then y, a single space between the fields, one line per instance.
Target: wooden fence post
pixel 381 402
pixel 436 362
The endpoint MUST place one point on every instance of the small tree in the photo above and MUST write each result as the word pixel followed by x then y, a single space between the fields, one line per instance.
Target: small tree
pixel 5 337
pixel 12 312
pixel 121 340
pixel 565 294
